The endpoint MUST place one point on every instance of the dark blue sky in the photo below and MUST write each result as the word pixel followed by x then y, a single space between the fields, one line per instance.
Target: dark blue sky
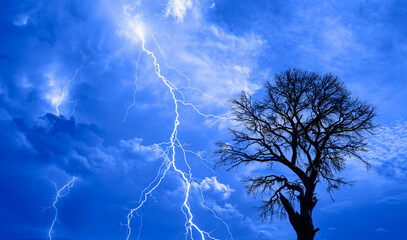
pixel 80 98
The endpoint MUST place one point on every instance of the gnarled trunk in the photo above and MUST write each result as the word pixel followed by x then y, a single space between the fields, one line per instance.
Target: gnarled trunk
pixel 302 223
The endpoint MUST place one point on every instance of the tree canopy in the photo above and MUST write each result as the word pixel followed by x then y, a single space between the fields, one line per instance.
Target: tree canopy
pixel 308 123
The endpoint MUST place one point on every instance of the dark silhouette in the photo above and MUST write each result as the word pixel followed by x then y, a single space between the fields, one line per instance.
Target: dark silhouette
pixel 306 122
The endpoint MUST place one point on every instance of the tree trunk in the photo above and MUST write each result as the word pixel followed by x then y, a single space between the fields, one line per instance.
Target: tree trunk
pixel 302 223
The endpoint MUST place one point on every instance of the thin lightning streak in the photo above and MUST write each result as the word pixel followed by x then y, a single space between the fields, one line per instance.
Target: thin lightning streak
pixel 135 89
pixel 145 193
pixel 62 192
pixel 214 214
pixel 200 189
pixel 159 47
pixel 65 88
pixel 184 75
pixel 141 225
pixel 183 102
pixel 203 114
pixel 198 155
pixel 170 155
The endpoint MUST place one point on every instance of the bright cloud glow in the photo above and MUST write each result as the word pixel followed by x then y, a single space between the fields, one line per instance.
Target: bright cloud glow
pixel 212 183
pixel 178 9
pixel 151 152
pixel 55 94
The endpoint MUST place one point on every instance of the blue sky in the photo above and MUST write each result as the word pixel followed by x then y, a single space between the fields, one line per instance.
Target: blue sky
pixel 79 97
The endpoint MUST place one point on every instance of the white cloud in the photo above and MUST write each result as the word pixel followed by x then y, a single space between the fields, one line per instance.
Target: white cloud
pixel 388 150
pixel 326 38
pixel 231 212
pixel 221 64
pixel 228 211
pixel 151 152
pixel 178 9
pixel 213 184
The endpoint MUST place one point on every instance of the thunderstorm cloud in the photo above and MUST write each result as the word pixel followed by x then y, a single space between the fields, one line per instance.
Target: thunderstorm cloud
pixel 109 93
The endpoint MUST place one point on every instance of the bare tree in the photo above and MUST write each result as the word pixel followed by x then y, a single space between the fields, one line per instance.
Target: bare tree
pixel 310 124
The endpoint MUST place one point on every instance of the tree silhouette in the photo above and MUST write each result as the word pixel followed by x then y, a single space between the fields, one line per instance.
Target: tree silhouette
pixel 306 122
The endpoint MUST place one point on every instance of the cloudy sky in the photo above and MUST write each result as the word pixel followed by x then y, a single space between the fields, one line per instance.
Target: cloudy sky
pixel 101 92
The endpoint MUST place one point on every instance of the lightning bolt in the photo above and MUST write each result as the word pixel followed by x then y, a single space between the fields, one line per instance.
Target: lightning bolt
pixel 60 193
pixel 169 154
pixel 64 91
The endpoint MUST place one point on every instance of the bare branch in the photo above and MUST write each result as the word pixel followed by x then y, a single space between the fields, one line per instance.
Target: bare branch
pixel 308 123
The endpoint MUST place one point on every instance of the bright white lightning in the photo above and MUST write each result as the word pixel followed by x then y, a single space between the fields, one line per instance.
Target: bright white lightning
pixel 60 193
pixel 170 153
